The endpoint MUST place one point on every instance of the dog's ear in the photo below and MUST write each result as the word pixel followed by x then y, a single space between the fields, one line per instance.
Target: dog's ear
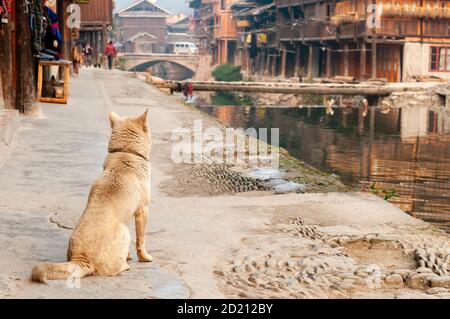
pixel 142 120
pixel 113 119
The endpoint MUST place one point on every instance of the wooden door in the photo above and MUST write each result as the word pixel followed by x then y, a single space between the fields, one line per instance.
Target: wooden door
pixel 389 62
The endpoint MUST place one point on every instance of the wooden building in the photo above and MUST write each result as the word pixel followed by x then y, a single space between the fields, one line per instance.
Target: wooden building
pixel 96 23
pixel 395 40
pixel 203 25
pixel 217 28
pixel 143 18
pixel 258 50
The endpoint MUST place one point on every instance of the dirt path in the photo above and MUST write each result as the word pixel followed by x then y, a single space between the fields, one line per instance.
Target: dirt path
pixel 206 242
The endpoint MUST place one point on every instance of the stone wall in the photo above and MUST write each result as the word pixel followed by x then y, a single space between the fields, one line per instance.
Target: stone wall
pixel 434 96
pixel 204 69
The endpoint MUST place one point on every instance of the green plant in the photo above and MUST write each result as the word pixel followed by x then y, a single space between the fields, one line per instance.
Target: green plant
pixel 227 73
pixel 388 193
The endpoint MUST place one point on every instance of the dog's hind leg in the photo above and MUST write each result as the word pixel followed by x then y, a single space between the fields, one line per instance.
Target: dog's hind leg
pixel 141 218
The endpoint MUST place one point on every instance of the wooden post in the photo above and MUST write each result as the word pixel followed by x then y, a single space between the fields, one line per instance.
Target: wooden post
pixel 61 7
pixel 374 59
pixel 219 52
pixel 346 60
pixel 2 102
pixel 283 61
pixel 297 60
pixel 263 62
pixel 6 75
pixel 267 67
pixel 363 58
pixel 97 47
pixel 273 69
pixel 103 38
pixel 248 62
pixel 221 48
pixel 225 51
pixel 25 79
pixel 40 81
pixel 329 66
pixel 310 61
pixel 258 64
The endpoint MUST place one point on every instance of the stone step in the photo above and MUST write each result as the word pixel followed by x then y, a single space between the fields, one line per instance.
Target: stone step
pixel 9 123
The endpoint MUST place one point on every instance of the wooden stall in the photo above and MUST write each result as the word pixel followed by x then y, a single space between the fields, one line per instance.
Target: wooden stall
pixel 53 81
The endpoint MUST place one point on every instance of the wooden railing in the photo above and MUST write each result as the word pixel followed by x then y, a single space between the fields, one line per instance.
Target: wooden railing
pixel 319 30
pixel 436 28
pixel 293 3
pixel 412 28
pixel 399 28
pixel 391 28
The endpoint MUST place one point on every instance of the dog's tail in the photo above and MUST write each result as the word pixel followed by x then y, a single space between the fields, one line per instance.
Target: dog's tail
pixel 74 269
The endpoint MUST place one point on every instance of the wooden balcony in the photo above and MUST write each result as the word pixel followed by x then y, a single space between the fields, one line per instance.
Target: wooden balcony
pixel 399 28
pixel 226 26
pixel 352 29
pixel 436 28
pixel 412 28
pixel 316 31
pixel 292 3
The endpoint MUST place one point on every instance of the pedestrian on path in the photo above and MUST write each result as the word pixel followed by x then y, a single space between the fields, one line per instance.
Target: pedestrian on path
pixel 111 53
pixel 87 52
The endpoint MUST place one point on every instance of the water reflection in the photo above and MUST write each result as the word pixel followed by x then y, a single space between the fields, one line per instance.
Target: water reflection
pixel 406 149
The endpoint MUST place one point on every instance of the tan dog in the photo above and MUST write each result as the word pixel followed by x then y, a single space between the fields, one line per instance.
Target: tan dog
pixel 100 243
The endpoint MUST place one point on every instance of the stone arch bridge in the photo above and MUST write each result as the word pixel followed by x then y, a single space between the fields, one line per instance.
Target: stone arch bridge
pixel 141 61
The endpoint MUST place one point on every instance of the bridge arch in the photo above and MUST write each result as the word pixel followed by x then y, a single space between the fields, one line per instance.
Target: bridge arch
pixel 188 72
pixel 183 63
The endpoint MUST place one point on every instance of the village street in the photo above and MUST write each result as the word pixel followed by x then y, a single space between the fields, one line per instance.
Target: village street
pixel 204 245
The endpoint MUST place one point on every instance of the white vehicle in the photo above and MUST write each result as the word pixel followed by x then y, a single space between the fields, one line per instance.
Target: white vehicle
pixel 185 48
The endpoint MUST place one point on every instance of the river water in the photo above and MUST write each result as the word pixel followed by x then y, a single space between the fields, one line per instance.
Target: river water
pixel 404 150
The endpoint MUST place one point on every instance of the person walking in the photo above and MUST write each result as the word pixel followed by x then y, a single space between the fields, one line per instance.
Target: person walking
pixel 111 53
pixel 87 52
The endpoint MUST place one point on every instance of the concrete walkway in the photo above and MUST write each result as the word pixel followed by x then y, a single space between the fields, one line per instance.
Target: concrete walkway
pixel 46 176
pixel 9 123
pixel 195 239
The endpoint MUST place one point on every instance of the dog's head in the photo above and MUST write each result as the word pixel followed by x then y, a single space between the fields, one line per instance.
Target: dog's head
pixel 130 135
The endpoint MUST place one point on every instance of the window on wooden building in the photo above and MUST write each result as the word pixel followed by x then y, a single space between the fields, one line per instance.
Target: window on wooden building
pixel 440 59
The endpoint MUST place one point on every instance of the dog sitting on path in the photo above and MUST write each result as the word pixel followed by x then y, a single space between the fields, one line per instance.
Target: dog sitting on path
pixel 100 243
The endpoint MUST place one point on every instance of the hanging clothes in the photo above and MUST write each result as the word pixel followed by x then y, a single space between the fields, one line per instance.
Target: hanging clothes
pixel 53 38
pixel 37 25
pixel 262 38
